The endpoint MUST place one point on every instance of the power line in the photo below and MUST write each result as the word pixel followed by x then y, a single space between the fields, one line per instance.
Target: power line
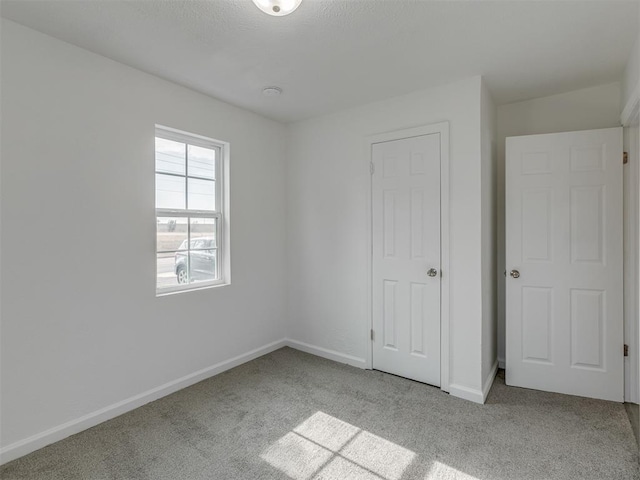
pixel 182 157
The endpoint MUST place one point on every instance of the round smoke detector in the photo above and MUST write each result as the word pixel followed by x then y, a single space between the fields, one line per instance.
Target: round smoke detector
pixel 272 91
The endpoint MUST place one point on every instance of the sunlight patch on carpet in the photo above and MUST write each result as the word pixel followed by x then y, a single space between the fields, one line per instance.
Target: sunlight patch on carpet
pixel 325 447
pixel 440 471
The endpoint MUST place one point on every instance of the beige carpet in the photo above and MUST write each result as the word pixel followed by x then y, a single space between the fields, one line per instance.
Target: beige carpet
pixel 290 415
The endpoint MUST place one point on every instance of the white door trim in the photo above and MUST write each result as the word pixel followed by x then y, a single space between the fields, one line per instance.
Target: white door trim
pixel 630 264
pixel 443 129
pixel 630 119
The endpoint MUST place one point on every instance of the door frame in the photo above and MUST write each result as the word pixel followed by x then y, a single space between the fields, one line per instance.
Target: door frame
pixel 630 260
pixel 441 128
pixel 629 119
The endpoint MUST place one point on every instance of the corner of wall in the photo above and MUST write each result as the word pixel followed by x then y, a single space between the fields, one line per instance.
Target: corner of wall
pixel 473 394
pixel 488 118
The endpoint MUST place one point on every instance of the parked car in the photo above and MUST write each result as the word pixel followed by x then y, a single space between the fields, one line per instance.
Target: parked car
pixel 203 260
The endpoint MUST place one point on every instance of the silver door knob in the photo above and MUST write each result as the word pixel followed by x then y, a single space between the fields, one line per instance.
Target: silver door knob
pixel 514 273
pixel 432 272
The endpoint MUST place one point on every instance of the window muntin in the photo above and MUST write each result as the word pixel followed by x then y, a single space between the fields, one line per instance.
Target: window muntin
pixel 189 213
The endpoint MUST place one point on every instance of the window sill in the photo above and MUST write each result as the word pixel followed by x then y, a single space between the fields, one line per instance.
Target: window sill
pixel 205 286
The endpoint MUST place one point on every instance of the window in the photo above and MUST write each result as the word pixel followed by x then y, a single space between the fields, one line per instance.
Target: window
pixel 190 239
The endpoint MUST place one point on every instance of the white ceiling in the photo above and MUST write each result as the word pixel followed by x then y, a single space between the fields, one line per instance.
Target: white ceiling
pixel 333 54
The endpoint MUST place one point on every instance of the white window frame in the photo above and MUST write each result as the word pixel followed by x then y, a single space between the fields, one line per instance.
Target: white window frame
pixel 220 214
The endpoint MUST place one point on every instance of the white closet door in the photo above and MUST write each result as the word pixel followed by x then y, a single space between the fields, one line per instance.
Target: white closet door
pixel 406 257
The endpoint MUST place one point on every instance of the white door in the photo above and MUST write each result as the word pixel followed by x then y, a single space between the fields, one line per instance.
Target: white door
pixel 564 323
pixel 406 257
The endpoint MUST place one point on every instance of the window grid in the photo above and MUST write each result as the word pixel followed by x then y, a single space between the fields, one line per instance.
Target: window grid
pixel 189 214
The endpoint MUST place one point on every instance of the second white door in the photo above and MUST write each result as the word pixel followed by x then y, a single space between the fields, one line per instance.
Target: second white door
pixel 406 257
pixel 564 330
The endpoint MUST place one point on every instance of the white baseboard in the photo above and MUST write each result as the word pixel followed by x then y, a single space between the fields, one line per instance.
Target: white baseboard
pixel 326 353
pixel 486 388
pixel 55 434
pixel 460 391
pixel 474 394
pixel 501 363
pixel 466 393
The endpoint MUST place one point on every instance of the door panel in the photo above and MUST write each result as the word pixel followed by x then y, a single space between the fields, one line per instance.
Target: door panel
pixel 564 321
pixel 406 244
pixel 537 319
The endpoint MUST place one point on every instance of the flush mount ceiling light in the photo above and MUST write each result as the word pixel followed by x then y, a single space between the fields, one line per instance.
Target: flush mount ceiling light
pixel 277 8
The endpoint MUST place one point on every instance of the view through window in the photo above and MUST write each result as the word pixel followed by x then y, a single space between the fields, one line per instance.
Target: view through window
pixel 188 211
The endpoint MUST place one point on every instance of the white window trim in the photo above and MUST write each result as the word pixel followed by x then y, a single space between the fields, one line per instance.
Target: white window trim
pixel 221 214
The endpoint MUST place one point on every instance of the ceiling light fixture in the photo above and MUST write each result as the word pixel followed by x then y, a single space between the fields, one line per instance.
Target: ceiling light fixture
pixel 277 8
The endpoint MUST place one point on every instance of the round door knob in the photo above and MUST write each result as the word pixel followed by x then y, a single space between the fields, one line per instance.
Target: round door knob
pixel 432 272
pixel 514 273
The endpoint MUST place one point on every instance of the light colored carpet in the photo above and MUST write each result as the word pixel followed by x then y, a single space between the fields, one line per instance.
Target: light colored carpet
pixel 293 415
pixel 633 412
